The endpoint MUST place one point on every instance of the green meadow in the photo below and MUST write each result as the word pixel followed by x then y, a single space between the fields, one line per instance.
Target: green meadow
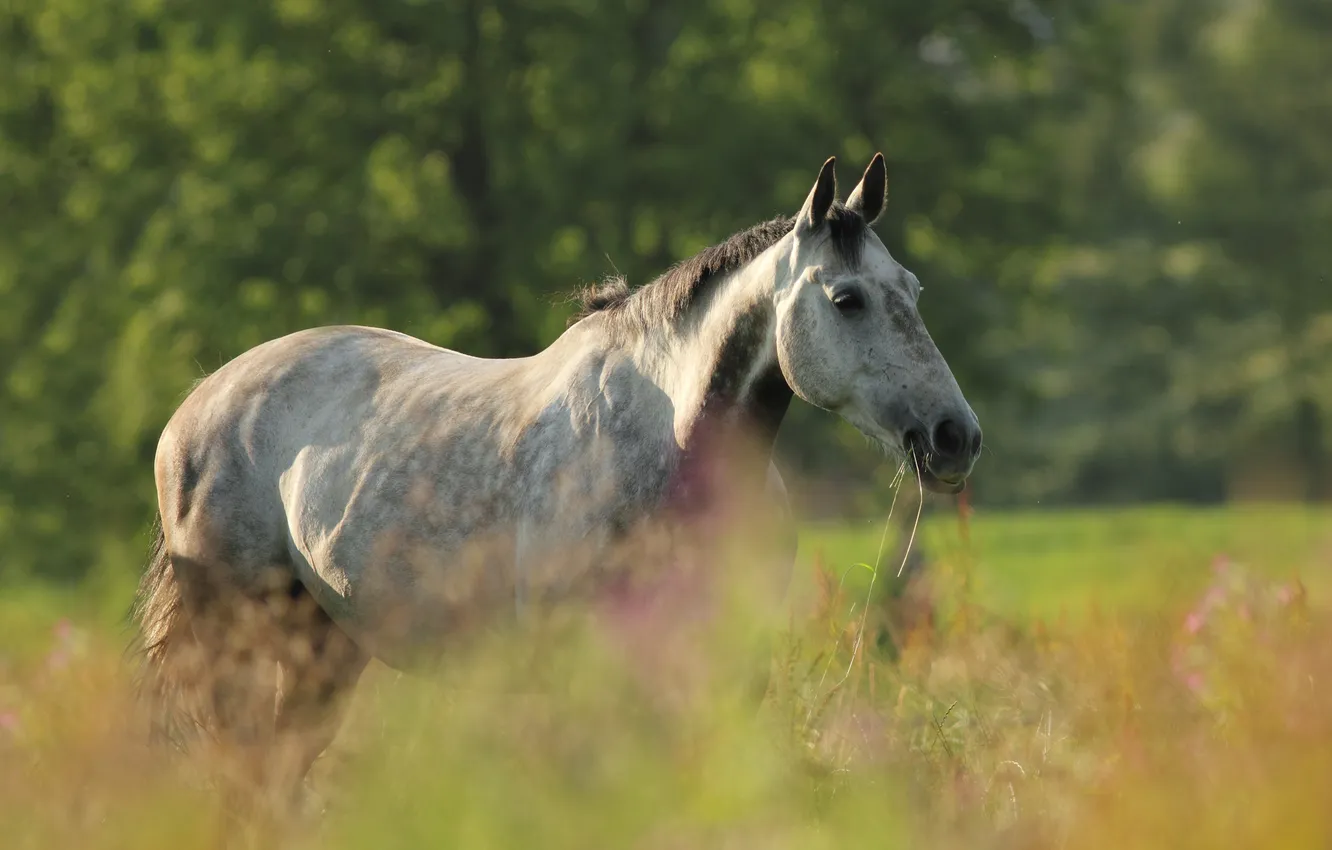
pixel 1043 563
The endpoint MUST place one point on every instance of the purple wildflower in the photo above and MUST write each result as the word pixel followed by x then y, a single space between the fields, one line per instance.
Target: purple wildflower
pixel 1194 622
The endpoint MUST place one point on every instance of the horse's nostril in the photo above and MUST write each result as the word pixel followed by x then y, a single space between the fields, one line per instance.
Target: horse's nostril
pixel 950 439
pixel 914 441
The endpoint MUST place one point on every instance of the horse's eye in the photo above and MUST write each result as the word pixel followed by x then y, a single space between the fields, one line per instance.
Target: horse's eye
pixel 848 302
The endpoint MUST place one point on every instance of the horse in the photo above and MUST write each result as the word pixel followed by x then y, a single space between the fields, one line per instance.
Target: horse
pixel 344 471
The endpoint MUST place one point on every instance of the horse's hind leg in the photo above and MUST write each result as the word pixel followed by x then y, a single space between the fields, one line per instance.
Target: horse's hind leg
pixel 225 647
pixel 320 666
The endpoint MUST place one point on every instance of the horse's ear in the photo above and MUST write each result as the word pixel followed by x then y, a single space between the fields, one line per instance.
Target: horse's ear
pixel 820 198
pixel 871 194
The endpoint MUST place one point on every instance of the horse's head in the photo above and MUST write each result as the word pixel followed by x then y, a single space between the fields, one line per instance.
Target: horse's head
pixel 850 340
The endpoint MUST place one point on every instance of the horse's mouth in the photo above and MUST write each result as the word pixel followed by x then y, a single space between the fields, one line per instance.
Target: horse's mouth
pixel 918 455
pixel 913 449
pixel 949 485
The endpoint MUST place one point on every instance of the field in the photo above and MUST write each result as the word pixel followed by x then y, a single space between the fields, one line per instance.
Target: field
pixel 1144 678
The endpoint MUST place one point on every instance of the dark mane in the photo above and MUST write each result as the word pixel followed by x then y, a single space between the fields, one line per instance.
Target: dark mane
pixel 675 290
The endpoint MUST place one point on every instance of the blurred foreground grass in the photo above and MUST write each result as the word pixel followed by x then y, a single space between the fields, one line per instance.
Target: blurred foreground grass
pixel 1182 703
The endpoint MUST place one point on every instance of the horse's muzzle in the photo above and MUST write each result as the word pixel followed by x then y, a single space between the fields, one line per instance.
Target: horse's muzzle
pixel 946 453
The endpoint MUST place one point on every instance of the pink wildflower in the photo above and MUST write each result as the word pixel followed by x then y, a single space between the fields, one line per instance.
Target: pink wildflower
pixel 1194 682
pixel 9 721
pixel 1194 622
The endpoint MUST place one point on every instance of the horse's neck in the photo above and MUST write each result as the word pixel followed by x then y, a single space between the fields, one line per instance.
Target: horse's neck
pixel 718 363
pixel 743 389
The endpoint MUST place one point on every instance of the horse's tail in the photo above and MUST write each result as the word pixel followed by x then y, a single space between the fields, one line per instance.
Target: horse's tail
pixel 164 644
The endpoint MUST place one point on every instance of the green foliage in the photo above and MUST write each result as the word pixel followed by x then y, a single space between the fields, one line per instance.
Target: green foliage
pixel 1116 209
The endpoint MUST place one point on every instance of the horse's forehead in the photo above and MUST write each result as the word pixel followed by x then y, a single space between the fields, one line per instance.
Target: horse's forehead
pixel 879 266
pixel 873 263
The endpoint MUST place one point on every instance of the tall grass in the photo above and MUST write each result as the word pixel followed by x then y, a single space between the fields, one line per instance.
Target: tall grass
pixel 637 723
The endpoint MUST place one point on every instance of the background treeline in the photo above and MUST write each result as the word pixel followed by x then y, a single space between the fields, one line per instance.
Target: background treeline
pixel 1121 211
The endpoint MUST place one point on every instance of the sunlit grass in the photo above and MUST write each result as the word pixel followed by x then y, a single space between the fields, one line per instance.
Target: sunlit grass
pixel 1193 716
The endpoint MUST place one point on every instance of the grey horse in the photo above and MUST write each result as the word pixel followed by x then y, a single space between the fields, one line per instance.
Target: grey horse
pixel 350 469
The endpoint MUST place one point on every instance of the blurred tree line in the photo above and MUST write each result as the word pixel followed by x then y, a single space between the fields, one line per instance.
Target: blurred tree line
pixel 1121 212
